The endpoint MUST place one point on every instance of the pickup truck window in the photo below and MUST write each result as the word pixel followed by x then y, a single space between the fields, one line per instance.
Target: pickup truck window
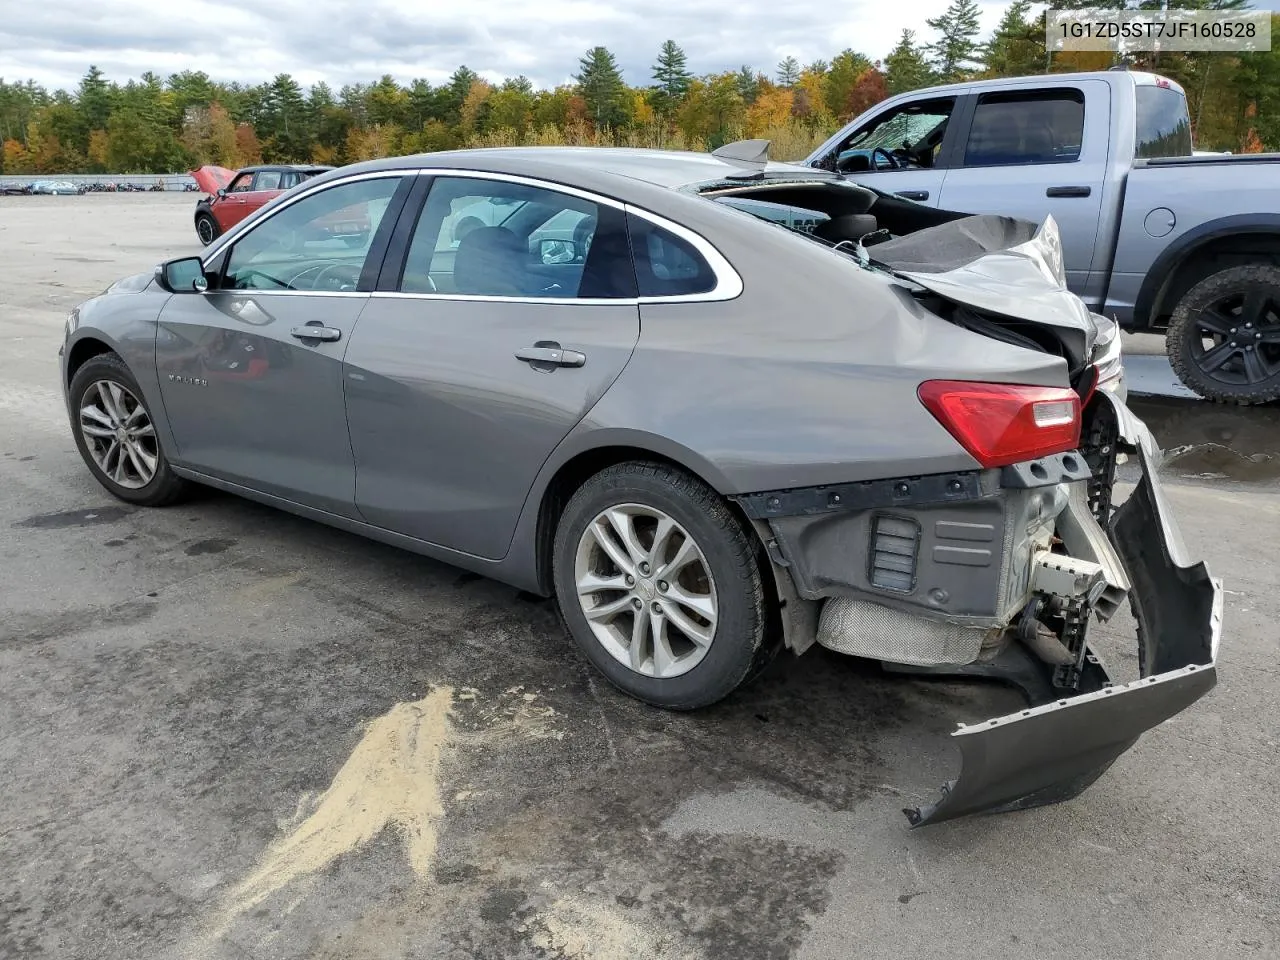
pixel 1040 126
pixel 1163 125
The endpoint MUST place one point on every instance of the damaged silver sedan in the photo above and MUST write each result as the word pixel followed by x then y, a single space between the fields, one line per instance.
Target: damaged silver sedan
pixel 718 407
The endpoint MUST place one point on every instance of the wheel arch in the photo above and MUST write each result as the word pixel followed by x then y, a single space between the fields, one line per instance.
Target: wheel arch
pixel 1215 245
pixel 84 350
pixel 576 465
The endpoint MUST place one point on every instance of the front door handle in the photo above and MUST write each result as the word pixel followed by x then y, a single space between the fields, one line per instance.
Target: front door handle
pixel 548 353
pixel 913 194
pixel 1068 191
pixel 313 331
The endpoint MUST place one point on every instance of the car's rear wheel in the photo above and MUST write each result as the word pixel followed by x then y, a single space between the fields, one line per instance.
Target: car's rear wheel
pixel 117 437
pixel 1224 335
pixel 206 228
pixel 659 586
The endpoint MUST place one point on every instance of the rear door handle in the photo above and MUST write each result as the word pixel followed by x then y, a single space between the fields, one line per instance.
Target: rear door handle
pixel 1068 191
pixel 913 194
pixel 316 332
pixel 550 353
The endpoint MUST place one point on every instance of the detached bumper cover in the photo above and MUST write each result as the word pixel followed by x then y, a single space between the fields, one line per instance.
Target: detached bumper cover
pixel 1055 748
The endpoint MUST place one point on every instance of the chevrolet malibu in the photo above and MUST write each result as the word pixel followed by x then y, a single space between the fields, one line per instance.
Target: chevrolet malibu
pixel 716 406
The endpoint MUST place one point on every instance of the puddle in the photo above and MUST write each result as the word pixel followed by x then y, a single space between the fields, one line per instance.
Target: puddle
pixel 1211 441
pixel 75 518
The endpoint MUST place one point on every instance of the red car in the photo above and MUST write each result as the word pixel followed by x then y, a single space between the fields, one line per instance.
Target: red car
pixel 233 195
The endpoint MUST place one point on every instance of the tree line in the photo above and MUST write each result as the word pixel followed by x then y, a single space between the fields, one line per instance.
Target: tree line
pixel 155 125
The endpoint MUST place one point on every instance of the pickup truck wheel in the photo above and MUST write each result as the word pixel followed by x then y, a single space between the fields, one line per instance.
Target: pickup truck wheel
pixel 658 584
pixel 1224 335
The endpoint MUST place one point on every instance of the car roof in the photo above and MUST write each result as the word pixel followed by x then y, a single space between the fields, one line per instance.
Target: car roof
pixel 268 167
pixel 600 168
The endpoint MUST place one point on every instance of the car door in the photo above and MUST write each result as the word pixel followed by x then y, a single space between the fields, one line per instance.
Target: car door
pixel 477 355
pixel 253 395
pixel 1030 153
pixel 903 149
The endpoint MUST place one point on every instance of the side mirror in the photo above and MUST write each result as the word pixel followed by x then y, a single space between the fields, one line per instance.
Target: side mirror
pixel 222 192
pixel 557 251
pixel 185 275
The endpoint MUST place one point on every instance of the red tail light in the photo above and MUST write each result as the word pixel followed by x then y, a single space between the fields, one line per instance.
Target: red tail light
pixel 1003 423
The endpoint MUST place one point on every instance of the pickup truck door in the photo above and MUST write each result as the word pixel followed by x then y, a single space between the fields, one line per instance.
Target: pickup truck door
pixel 1036 151
pixel 869 148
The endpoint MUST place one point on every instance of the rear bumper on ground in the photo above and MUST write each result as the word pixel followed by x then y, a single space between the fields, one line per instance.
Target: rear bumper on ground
pixel 977 538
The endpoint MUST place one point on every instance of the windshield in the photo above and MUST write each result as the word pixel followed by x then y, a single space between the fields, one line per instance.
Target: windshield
pixel 1163 126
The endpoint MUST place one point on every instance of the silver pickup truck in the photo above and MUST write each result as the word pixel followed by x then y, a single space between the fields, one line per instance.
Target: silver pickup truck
pixel 1157 238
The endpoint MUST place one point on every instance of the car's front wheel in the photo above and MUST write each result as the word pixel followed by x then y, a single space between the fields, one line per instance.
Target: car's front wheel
pixel 206 228
pixel 1224 335
pixel 117 437
pixel 659 586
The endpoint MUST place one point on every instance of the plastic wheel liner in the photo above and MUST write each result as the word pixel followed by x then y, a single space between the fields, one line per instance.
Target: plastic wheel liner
pixel 1057 747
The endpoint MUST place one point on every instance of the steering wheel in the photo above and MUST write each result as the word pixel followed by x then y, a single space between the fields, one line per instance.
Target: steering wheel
pixel 276 281
pixel 890 160
pixel 322 270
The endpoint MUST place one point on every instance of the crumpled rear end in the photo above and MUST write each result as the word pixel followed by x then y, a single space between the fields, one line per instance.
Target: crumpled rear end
pixel 1059 745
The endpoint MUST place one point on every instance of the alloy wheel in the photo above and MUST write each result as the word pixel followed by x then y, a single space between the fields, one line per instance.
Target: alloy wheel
pixel 119 434
pixel 646 590
pixel 1237 338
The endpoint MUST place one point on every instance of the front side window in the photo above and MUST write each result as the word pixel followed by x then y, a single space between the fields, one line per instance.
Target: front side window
pixel 494 238
pixel 318 243
pixel 241 184
pixel 1017 128
pixel 907 138
pixel 1163 125
pixel 667 265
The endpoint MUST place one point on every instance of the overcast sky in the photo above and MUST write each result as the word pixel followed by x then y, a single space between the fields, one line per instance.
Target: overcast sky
pixel 347 41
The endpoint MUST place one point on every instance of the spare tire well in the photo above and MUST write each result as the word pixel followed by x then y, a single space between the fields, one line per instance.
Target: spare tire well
pixel 1203 260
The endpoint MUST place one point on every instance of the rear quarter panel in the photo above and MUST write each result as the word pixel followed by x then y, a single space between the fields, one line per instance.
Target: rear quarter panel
pixel 1194 196
pixel 809 377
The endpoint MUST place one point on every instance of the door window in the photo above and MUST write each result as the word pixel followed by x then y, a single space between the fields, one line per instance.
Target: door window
pixel 1028 127
pixel 241 184
pixel 494 238
pixel 267 180
pixel 318 243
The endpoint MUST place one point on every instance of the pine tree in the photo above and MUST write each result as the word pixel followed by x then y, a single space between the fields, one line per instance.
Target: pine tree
pixel 1017 46
pixel 789 72
pixel 905 68
pixel 671 73
pixel 601 86
pixel 957 47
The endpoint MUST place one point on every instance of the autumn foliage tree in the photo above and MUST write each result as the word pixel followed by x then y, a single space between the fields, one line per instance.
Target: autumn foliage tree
pixel 162 125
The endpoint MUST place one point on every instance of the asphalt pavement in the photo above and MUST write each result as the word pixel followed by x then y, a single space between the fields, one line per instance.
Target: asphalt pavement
pixel 226 732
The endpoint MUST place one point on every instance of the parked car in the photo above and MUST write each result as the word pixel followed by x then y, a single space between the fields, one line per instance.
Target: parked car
pixel 710 437
pixel 56 188
pixel 15 189
pixel 1156 237
pixel 234 195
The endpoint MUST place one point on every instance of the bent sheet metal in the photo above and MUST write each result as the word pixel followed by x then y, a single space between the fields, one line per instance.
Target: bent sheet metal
pixel 1055 748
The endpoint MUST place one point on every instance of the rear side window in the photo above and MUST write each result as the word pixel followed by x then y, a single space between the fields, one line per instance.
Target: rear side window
pixel 267 180
pixel 1163 125
pixel 667 265
pixel 1014 128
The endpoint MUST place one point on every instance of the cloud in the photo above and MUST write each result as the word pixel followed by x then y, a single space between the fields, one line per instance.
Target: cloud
pixel 341 42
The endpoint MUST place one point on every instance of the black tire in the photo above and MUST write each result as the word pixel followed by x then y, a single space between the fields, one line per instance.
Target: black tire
pixel 164 487
pixel 206 228
pixel 739 647
pixel 1224 335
